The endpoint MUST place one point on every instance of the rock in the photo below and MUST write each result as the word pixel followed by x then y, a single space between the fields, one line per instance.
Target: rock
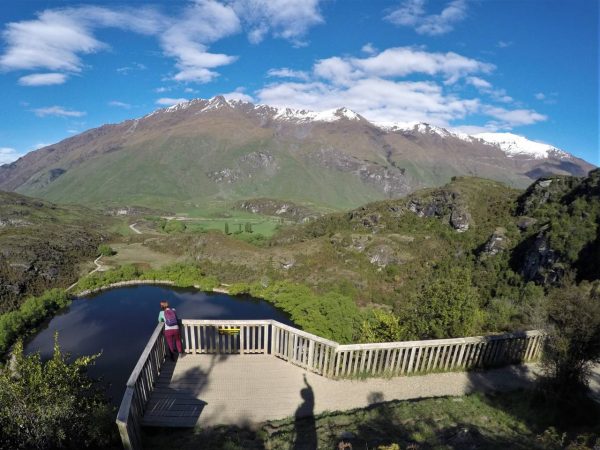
pixel 460 220
pixel 540 263
pixel 496 243
pixel 381 255
pixel 525 222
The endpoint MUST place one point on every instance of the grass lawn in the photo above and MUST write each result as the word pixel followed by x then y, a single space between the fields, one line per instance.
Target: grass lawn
pixel 497 421
pixel 138 254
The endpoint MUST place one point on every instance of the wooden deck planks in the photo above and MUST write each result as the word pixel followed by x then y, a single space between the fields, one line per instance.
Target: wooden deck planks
pixel 208 390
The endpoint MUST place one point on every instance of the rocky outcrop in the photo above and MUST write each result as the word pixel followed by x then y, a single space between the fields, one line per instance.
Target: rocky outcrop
pixel 542 191
pixel 390 180
pixel 280 208
pixel 540 263
pixel 443 204
pixel 497 242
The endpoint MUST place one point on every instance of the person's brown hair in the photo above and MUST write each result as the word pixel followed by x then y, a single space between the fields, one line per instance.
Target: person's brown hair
pixel 164 305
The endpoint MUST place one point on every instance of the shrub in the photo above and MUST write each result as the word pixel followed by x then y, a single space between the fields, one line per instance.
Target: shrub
pixel 174 226
pixel 31 313
pixel 52 404
pixel 105 250
pixel 572 346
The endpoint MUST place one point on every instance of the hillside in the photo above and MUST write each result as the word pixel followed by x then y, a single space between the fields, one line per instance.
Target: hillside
pixel 42 245
pixel 204 151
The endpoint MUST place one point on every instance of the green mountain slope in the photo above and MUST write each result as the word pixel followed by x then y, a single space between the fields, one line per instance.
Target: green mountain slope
pixel 42 245
pixel 209 151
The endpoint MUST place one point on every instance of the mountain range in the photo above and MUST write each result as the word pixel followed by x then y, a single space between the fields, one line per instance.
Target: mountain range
pixel 218 150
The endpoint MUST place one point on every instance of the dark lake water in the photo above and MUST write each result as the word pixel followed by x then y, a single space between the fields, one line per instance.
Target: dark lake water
pixel 119 322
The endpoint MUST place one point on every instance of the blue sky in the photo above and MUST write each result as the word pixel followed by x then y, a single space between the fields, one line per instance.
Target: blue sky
pixel 529 67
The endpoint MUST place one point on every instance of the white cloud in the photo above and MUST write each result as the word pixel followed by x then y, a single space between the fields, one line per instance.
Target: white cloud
pixel 540 96
pixel 57 39
pixel 287 19
pixel 134 66
pixel 284 72
pixel 58 111
pixel 119 104
pixel 162 89
pixel 8 155
pixel 399 62
pixel 504 44
pixel 187 39
pixel 411 13
pixel 377 88
pixel 43 79
pixel 479 83
pixel 40 145
pixel 238 94
pixel 515 117
pixel 368 48
pixel 166 101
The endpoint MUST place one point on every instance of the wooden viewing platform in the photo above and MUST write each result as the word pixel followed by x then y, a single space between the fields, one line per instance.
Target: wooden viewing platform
pixel 243 372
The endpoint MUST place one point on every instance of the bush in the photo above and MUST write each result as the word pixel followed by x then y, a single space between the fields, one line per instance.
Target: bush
pixel 330 315
pixel 52 404
pixel 31 313
pixel 572 346
pixel 105 250
pixel 447 306
pixel 174 226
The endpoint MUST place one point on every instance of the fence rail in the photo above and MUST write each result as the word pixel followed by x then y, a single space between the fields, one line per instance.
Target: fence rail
pixel 316 354
pixel 139 387
pixel 330 359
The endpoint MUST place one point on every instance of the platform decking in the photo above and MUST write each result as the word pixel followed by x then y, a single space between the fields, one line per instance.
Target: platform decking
pixel 209 390
pixel 240 372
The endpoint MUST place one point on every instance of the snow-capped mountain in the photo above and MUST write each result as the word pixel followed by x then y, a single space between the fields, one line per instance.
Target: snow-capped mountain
pixel 222 149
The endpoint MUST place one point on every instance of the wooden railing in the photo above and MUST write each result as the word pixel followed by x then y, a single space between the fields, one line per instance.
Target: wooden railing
pixel 302 349
pixel 333 360
pixel 139 387
pixel 226 336
pixel 437 355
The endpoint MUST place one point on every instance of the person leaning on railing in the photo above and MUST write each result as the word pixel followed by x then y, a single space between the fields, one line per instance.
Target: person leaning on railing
pixel 172 335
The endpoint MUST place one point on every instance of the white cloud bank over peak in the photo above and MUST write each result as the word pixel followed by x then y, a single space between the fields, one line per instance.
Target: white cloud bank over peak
pixel 8 155
pixel 167 101
pixel 57 39
pixel 377 87
pixel 411 13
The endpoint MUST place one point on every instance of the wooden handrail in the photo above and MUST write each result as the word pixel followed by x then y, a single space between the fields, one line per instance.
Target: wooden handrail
pixel 139 387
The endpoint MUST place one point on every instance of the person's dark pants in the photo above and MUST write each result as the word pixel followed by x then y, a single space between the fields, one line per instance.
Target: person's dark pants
pixel 173 339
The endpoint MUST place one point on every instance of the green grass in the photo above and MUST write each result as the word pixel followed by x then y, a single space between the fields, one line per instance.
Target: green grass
pixel 496 421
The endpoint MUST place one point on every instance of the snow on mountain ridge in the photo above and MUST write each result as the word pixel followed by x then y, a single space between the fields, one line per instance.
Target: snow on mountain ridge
pixel 511 144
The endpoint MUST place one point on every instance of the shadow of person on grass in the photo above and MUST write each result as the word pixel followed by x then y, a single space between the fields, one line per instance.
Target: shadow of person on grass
pixel 306 430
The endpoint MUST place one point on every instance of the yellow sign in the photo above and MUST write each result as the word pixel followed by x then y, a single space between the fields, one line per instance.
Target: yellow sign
pixel 229 331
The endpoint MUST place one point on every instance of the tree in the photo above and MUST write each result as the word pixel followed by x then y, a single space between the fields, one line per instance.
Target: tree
pixel 226 228
pixel 105 250
pixel 446 306
pixel 572 345
pixel 52 404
